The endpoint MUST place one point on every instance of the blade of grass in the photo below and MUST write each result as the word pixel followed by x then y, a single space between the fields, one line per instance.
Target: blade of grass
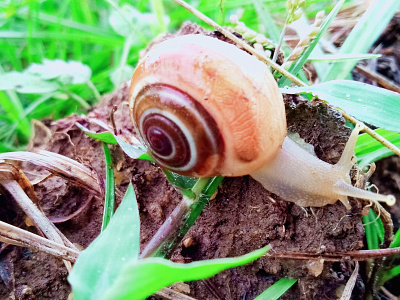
pixel 363 35
pixel 368 150
pixel 396 240
pixel 374 231
pixel 109 199
pixel 391 274
pixel 158 9
pixel 276 290
pixel 266 20
pixel 70 24
pixel 296 67
pixel 172 231
pixel 342 57
pixel 65 36
pixel 14 109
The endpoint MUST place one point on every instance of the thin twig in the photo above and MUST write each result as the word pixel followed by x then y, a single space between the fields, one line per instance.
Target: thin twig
pixel 381 80
pixel 373 134
pixel 389 294
pixel 9 182
pixel 60 165
pixel 346 295
pixel 359 255
pixel 13 235
pixel 169 294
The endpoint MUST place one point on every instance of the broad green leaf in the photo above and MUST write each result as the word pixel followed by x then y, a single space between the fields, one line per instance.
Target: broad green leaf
pixel 98 266
pixel 140 279
pixel 370 104
pixel 276 290
pixel 369 150
pixel 363 35
pixel 71 72
pixel 299 63
pixel 342 57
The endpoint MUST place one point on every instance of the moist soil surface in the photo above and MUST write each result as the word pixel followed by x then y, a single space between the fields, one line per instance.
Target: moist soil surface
pixel 242 217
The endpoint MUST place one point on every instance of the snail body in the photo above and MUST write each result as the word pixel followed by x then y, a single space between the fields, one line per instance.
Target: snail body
pixel 205 108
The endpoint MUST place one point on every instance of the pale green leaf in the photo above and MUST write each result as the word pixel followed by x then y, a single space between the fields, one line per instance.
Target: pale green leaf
pixel 26 83
pixel 370 104
pixel 140 279
pixel 71 72
pixel 98 266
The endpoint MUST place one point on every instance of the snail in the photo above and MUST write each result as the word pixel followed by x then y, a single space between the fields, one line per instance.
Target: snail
pixel 203 107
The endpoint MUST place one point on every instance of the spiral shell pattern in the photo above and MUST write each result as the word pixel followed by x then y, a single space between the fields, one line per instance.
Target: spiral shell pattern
pixel 180 133
pixel 203 107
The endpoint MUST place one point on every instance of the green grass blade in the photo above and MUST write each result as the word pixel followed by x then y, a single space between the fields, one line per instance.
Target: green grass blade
pixel 98 266
pixel 369 150
pixel 296 67
pixel 276 290
pixel 158 9
pixel 342 57
pixel 396 240
pixel 266 19
pixel 363 35
pixel 140 279
pixel 391 274
pixel 109 199
pixel 373 105
pixel 64 36
pixel 6 148
pixel 11 104
pixel 203 189
pixel 374 230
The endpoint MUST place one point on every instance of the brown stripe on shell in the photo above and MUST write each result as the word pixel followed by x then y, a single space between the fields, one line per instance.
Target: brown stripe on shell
pixel 209 146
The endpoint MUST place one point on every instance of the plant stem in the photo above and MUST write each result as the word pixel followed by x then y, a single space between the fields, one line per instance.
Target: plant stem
pixel 78 99
pixel 169 235
pixel 94 90
pixel 278 47
pixel 158 8
pixel 359 255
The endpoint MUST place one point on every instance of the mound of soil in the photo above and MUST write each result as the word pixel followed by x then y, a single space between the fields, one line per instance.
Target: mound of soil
pixel 242 217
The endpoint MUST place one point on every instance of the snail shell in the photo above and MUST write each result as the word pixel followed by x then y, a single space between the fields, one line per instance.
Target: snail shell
pixel 204 107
